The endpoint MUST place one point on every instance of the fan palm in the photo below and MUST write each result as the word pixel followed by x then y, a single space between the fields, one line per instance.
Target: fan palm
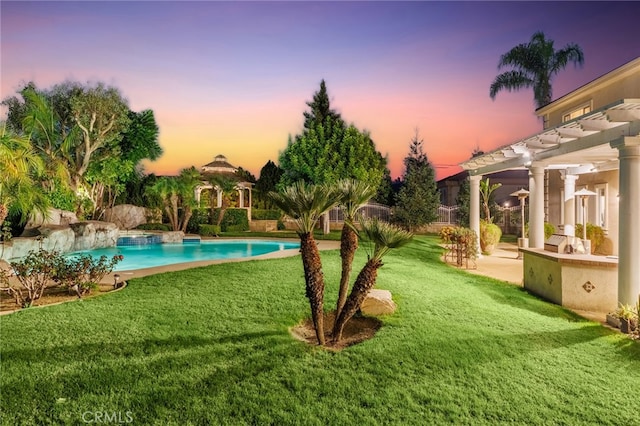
pixel 535 63
pixel 20 164
pixel 354 194
pixel 305 204
pixel 227 186
pixel 384 238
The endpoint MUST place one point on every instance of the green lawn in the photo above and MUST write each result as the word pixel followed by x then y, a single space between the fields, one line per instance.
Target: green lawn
pixel 211 346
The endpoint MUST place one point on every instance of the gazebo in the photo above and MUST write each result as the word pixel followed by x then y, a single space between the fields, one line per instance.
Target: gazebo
pixel 221 167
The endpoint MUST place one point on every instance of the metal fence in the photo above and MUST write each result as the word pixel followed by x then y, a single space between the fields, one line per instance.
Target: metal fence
pixel 369 210
pixel 447 215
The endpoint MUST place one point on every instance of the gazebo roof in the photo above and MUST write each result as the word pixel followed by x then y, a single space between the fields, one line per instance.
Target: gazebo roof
pixel 219 165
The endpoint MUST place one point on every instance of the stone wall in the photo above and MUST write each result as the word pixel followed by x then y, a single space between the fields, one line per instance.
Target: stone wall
pixel 64 239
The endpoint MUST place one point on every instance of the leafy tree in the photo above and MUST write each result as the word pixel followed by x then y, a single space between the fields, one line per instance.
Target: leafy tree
pixel 353 195
pixel 140 139
pixel 384 238
pixel 385 194
pixel 328 150
pixel 535 63
pixel 245 175
pixel 20 167
pixel 77 129
pixel 305 204
pixel 270 175
pixel 463 201
pixel 418 198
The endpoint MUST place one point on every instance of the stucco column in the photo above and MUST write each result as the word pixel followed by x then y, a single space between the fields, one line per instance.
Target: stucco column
pixel 536 207
pixel 241 197
pixel 474 207
pixel 219 192
pixel 569 219
pixel 250 205
pixel 628 219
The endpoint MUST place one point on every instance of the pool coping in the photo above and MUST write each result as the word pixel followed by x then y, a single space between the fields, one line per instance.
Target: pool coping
pixel 144 272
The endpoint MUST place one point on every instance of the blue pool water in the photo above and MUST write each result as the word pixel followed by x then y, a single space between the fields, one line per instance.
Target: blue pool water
pixel 151 255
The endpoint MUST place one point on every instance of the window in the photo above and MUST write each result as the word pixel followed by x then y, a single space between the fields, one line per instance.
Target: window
pixel 601 205
pixel 582 110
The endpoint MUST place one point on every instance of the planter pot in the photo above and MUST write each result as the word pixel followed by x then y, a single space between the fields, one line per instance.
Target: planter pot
pixel 613 320
pixel 628 325
pixel 587 246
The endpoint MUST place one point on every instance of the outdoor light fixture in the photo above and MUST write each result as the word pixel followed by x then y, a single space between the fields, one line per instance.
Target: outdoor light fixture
pixel 522 194
pixel 583 194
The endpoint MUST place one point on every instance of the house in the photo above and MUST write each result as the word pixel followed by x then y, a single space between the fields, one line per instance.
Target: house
pixel 590 140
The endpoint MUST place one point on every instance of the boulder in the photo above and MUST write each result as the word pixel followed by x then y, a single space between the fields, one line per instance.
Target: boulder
pixel 94 234
pixel 378 302
pixel 49 237
pixel 126 216
pixel 172 237
pixel 53 217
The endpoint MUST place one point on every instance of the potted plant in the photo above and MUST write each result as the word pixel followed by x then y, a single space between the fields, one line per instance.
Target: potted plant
pixel 490 234
pixel 628 318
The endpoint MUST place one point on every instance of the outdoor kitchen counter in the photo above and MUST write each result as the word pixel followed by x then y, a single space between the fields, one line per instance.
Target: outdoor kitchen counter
pixel 576 281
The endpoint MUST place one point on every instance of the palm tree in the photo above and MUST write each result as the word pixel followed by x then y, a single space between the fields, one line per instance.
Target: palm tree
pixel 486 190
pixel 305 204
pixel 178 193
pixel 227 186
pixel 384 237
pixel 535 63
pixel 20 165
pixel 354 194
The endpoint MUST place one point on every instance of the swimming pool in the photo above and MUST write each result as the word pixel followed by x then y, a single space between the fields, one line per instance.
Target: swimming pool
pixel 152 255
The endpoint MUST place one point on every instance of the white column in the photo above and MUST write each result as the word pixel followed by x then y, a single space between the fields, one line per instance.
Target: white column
pixel 569 219
pixel 629 224
pixel 474 207
pixel 196 194
pixel 219 192
pixel 241 196
pixel 250 205
pixel 536 207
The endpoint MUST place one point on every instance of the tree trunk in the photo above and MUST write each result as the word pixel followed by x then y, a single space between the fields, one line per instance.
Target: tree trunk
pixel 365 281
pixel 348 247
pixel 3 213
pixel 314 280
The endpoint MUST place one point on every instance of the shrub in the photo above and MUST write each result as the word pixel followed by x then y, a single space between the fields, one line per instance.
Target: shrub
pixel 262 214
pixel 154 227
pixel 200 216
pixel 594 233
pixel 209 230
pixel 234 220
pixel 33 272
pixel 490 234
pixel 83 273
pixel 549 230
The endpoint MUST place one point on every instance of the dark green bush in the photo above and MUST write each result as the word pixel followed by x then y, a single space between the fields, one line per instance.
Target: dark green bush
pixel 154 227
pixel 262 214
pixel 235 218
pixel 201 216
pixel 209 230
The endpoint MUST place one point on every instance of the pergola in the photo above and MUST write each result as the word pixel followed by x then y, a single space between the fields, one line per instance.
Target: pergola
pixel 605 139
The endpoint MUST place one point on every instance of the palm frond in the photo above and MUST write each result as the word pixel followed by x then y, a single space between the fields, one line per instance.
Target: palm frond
pixel 305 203
pixel 384 236
pixel 353 195
pixel 510 80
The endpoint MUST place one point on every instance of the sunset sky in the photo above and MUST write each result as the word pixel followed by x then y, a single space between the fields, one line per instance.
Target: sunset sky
pixel 232 78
